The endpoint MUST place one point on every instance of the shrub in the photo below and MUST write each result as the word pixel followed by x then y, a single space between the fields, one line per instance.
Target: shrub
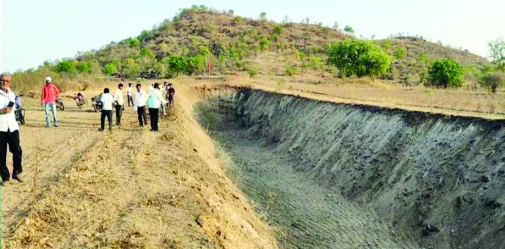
pixel 290 70
pixel 109 69
pixel 386 44
pixel 446 72
pixel 135 42
pixel 400 53
pixel 493 80
pixel 83 67
pixel 252 72
pixel 263 15
pixel 264 43
pixel 278 30
pixel 64 67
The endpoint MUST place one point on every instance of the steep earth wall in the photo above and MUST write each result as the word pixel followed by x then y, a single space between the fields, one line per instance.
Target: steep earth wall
pixel 437 179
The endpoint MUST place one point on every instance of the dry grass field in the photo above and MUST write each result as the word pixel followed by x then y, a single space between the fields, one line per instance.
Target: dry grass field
pixel 457 102
pixel 128 188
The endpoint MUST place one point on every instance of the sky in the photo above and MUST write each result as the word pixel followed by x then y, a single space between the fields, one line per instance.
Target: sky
pixel 33 31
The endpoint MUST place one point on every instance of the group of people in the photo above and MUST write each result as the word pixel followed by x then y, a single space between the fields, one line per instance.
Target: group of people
pixel 158 97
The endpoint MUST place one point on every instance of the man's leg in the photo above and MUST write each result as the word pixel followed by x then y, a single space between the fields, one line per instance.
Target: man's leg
pixel 46 111
pixel 145 115
pixel 109 118
pixel 4 171
pixel 151 118
pixel 16 151
pixel 54 114
pixel 156 118
pixel 118 108
pixel 140 113
pixel 102 120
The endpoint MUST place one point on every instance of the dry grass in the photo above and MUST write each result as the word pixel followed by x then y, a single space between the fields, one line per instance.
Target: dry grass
pixel 125 189
pixel 459 102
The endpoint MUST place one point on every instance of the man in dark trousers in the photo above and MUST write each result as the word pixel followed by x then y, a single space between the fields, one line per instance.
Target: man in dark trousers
pixel 171 95
pixel 9 132
pixel 107 101
pixel 119 103
pixel 140 104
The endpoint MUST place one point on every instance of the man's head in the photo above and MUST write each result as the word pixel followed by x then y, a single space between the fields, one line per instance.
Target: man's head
pixel 48 80
pixel 5 81
pixel 120 86
pixel 130 84
pixel 139 86
pixel 156 85
pixel 165 83
pixel 106 90
pixel 170 85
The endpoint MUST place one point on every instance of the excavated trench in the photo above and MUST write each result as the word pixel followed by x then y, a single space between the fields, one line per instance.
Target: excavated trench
pixel 344 176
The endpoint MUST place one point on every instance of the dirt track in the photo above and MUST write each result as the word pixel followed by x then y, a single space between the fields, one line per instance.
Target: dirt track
pixel 127 189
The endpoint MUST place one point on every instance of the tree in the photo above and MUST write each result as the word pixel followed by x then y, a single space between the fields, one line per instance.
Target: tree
pixel 64 67
pixel 359 57
pixel 497 52
pixel 134 42
pixel 446 72
pixel 374 63
pixel 176 65
pixel 83 67
pixel 263 15
pixel 493 80
pixel 335 25
pixel 349 29
pixel 109 69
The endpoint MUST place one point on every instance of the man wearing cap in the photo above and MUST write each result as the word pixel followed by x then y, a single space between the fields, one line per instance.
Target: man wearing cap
pixel 9 132
pixel 48 100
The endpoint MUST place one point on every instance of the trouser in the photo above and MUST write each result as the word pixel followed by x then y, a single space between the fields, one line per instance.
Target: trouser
pixel 50 107
pixel 119 113
pixel 130 100
pixel 142 115
pixel 108 114
pixel 153 114
pixel 12 140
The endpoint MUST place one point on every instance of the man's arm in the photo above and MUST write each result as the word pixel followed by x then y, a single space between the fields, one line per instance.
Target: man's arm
pixel 56 90
pixel 42 97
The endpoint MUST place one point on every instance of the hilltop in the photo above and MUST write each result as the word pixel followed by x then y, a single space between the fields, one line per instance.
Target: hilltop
pixel 257 46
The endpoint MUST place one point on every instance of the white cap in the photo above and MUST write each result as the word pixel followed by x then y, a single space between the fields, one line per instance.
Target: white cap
pixel 48 79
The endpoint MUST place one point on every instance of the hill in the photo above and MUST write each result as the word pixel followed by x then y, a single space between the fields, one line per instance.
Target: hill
pixel 183 44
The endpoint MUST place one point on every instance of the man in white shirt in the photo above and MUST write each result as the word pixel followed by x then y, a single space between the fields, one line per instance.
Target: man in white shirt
pixel 140 103
pixel 107 101
pixel 129 94
pixel 119 103
pixel 9 131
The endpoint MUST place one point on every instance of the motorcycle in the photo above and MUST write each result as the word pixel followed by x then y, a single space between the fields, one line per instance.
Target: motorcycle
pixel 80 101
pixel 19 112
pixel 59 103
pixel 97 103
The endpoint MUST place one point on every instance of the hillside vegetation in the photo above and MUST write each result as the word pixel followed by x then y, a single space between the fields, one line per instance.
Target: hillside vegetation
pixel 184 44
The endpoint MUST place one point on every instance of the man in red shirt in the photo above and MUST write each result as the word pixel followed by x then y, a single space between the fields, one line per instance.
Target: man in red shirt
pixel 48 100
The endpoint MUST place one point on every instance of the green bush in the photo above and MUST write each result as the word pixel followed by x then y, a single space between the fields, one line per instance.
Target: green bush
pixel 252 72
pixel 278 30
pixel 83 67
pixel 109 69
pixel 387 44
pixel 64 67
pixel 400 53
pixel 493 80
pixel 264 43
pixel 446 72
pixel 290 70
pixel 359 57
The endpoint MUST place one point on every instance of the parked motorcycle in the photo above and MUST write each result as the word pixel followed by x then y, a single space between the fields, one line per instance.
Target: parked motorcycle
pixel 97 103
pixel 59 103
pixel 19 112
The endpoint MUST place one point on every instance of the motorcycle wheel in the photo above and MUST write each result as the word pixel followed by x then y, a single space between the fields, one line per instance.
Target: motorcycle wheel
pixel 61 106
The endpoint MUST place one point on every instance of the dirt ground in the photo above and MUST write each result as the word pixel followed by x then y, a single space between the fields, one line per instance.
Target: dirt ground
pixel 129 188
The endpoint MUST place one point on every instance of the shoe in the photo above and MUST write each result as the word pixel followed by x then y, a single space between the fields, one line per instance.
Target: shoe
pixel 47 126
pixel 100 129
pixel 18 177
pixel 55 125
pixel 110 129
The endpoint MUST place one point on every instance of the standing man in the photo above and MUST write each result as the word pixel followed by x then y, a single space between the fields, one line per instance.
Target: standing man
pixel 106 109
pixel 154 102
pixel 171 95
pixel 129 94
pixel 139 104
pixel 9 131
pixel 48 100
pixel 119 103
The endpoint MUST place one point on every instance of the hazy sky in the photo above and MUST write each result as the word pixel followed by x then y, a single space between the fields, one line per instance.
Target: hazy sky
pixel 32 31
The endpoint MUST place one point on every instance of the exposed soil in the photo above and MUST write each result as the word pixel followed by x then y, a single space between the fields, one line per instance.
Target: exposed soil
pixel 342 176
